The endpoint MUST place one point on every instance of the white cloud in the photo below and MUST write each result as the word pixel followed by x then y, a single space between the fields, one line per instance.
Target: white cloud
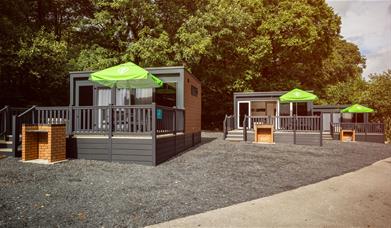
pixel 368 25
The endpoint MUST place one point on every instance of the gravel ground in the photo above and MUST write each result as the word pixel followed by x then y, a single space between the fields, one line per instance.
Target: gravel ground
pixel 215 174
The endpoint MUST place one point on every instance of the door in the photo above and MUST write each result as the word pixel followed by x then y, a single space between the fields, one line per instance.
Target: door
pixel 243 110
pixel 326 121
pixel 84 97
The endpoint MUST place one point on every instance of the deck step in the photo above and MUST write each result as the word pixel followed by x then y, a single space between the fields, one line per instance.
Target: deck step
pixel 234 139
pixel 6 151
pixel 5 144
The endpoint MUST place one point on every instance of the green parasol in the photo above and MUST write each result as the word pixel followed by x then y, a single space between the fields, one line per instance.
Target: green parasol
pixel 357 108
pixel 297 95
pixel 127 75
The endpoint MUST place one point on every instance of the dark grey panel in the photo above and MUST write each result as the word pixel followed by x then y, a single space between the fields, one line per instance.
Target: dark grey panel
pixel 131 141
pixel 168 147
pixel 133 146
pixel 92 146
pixel 308 139
pixel 133 162
pixel 123 149
pixel 132 158
pixel 376 138
pixel 131 152
pixel 103 157
pixel 92 151
pixel 283 138
pixel 91 140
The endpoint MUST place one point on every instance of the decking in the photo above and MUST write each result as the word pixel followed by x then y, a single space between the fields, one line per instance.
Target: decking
pixel 144 134
pixel 301 130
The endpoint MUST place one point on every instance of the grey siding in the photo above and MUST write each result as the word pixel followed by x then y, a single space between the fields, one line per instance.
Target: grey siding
pixel 130 150
pixel 312 139
pixel 376 138
pixel 170 146
pixel 283 137
pixel 302 138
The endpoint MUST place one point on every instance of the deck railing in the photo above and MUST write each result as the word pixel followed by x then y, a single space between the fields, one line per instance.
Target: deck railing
pixel 105 120
pixel 6 114
pixel 358 127
pixel 169 120
pixel 286 123
pixel 228 124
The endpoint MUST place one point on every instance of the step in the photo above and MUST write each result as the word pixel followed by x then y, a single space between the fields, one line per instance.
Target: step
pixel 235 136
pixel 234 139
pixel 5 144
pixel 9 138
pixel 5 150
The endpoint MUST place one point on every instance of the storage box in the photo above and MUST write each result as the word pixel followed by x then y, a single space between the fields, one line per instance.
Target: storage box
pixel 263 133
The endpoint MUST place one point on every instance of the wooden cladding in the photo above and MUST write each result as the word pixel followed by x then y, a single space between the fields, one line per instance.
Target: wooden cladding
pixel 192 91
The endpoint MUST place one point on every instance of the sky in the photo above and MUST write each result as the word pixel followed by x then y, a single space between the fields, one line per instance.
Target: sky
pixel 367 23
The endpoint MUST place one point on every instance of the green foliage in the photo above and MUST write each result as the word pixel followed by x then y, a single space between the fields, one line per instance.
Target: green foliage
pixel 230 45
pixel 345 92
pixel 374 93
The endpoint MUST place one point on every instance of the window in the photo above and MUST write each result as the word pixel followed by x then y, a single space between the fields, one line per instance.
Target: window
pixel 166 95
pixel 194 91
pixel 285 109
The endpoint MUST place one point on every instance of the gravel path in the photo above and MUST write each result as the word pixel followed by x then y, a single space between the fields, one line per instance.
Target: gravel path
pixel 215 174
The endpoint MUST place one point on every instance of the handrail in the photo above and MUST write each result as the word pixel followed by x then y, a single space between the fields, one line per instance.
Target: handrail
pixel 225 127
pixel 359 127
pixel 3 123
pixel 27 111
pixel 3 109
pixel 245 128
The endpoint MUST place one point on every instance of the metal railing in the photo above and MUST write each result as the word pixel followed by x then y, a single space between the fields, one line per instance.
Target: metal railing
pixel 134 119
pixel 26 117
pixel 169 120
pixel 103 120
pixel 3 120
pixel 358 127
pixel 228 125
pixel 6 114
pixel 286 123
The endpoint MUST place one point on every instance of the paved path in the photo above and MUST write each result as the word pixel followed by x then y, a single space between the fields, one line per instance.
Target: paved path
pixel 361 198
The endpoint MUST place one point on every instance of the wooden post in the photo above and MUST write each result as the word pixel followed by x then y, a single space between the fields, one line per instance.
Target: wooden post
pixel 294 129
pixel 110 132
pixel 245 128
pixel 154 134
pixel 174 121
pixel 70 120
pixel 15 135
pixel 321 130
pixel 366 130
pixel 225 127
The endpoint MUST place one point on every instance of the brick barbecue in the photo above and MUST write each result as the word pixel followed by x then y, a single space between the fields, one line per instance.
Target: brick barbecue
pixel 44 142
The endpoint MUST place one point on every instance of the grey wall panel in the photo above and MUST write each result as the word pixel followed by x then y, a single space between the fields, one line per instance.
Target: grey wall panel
pixel 308 139
pixel 141 158
pixel 376 138
pixel 168 147
pixel 92 151
pixel 102 157
pixel 250 137
pixel 133 146
pixel 131 152
pixel 283 138
pixel 123 149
